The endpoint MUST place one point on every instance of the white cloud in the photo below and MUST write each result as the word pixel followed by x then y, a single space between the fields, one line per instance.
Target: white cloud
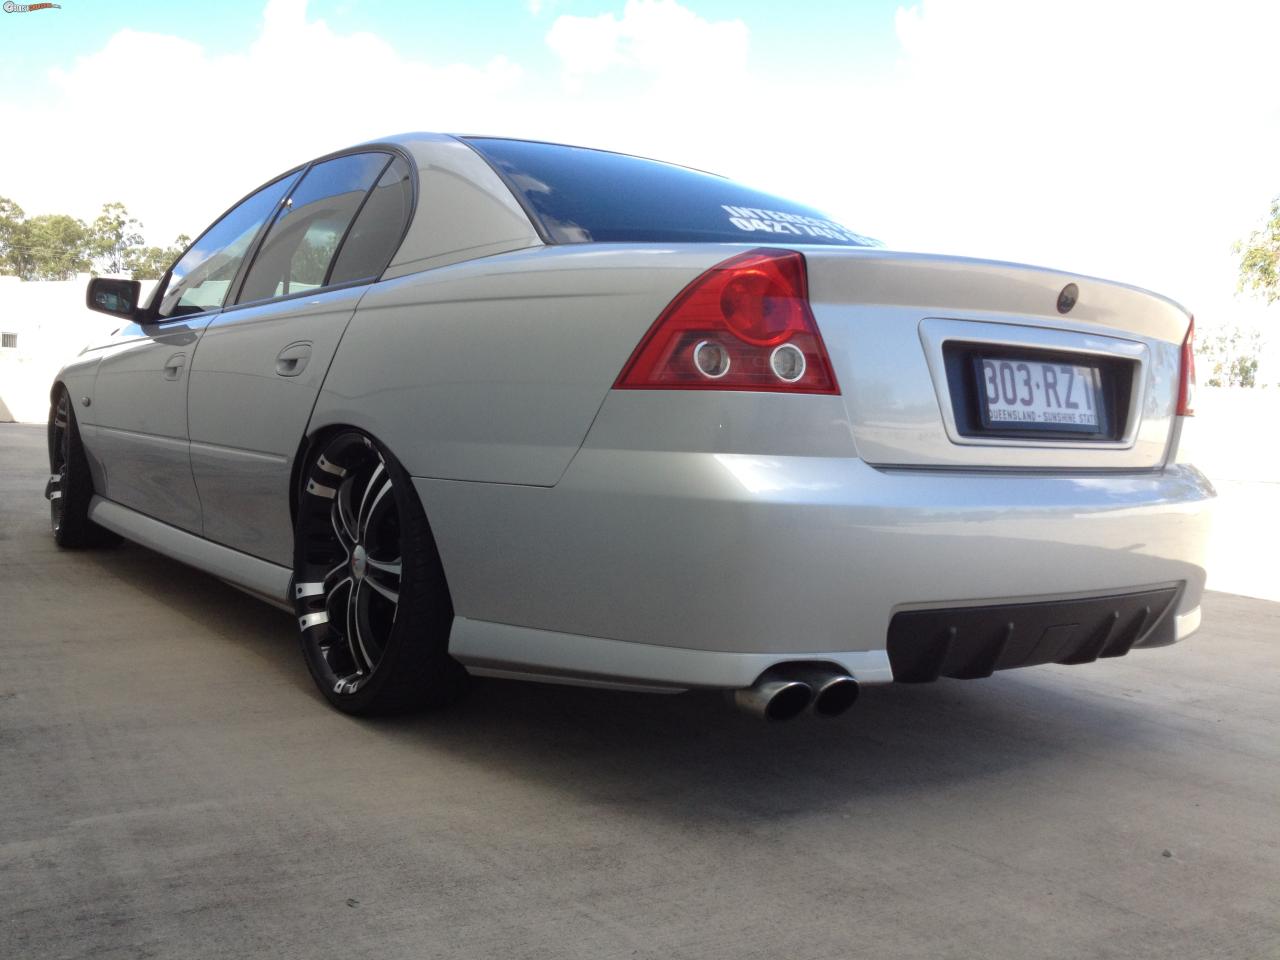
pixel 668 42
pixel 1122 139
pixel 217 125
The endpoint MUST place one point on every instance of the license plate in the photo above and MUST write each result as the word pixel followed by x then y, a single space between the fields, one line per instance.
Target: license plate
pixel 1036 395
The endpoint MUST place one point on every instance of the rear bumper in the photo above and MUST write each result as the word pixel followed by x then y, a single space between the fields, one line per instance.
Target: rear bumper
pixel 671 569
pixel 502 650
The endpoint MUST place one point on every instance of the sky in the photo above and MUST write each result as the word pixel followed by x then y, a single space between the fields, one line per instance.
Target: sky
pixel 1126 139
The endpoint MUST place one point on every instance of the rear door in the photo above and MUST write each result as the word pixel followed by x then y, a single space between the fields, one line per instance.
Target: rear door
pixel 139 402
pixel 260 364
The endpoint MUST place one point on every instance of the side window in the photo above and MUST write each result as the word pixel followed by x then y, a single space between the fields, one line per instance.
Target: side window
pixel 201 278
pixel 377 230
pixel 301 242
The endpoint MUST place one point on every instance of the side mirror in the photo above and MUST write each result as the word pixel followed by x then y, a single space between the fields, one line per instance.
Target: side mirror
pixel 116 297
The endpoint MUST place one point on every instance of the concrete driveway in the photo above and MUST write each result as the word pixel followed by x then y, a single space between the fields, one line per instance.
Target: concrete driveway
pixel 172 786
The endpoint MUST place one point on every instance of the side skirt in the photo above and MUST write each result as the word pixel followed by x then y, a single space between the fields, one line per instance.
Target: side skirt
pixel 504 650
pixel 264 580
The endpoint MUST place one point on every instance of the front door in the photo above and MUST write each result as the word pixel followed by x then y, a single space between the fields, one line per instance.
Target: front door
pixel 139 420
pixel 139 403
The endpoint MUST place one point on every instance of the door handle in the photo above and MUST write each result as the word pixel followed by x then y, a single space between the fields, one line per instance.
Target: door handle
pixel 173 366
pixel 292 360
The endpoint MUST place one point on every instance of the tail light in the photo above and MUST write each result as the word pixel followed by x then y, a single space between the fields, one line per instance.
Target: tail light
pixel 1187 374
pixel 745 324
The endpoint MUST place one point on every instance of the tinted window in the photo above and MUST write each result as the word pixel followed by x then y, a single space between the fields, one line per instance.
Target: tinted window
pixel 582 195
pixel 376 233
pixel 301 242
pixel 200 280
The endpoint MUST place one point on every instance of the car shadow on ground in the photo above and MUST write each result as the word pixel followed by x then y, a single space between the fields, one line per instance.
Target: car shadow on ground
pixel 689 752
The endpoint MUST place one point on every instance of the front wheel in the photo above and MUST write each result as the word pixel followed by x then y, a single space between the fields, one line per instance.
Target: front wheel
pixel 70 487
pixel 369 590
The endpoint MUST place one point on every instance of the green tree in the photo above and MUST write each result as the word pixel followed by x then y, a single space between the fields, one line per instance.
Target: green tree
pixel 10 227
pixel 150 263
pixel 53 246
pixel 59 247
pixel 115 235
pixel 1232 357
pixel 1260 258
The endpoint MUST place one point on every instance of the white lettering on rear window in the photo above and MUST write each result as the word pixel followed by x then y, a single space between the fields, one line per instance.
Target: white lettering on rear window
pixel 779 222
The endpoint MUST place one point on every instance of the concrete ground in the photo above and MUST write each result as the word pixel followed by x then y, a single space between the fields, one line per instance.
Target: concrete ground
pixel 172 786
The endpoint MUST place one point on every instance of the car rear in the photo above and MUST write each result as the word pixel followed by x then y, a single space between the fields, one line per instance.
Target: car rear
pixel 907 466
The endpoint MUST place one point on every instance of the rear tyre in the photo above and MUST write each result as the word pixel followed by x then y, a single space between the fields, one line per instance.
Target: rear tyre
pixel 70 486
pixel 369 590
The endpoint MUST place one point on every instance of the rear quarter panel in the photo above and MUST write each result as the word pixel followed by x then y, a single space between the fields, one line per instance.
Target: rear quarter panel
pixel 493 370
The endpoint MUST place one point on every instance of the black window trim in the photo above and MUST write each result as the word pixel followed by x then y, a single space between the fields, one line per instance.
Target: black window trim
pixel 237 282
pixel 342 241
pixel 242 275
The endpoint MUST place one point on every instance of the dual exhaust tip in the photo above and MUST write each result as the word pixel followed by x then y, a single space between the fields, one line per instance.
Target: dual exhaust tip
pixel 787 690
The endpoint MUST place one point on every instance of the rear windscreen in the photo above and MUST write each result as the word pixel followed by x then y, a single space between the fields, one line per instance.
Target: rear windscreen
pixel 580 196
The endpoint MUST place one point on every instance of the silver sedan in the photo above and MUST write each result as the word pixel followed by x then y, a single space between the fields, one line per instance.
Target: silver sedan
pixel 477 406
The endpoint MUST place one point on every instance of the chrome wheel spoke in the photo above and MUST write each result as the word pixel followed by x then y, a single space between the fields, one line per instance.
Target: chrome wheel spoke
pixel 389 567
pixel 365 520
pixel 382 589
pixel 383 576
pixel 370 485
pixel 332 593
pixel 357 617
pixel 343 524
pixel 339 530
pixel 335 577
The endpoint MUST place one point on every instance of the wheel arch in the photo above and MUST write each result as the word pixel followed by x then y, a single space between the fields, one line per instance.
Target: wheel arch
pixel 317 433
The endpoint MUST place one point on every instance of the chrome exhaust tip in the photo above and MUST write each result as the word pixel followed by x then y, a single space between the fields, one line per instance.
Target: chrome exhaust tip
pixel 774 699
pixel 835 696
pixel 834 690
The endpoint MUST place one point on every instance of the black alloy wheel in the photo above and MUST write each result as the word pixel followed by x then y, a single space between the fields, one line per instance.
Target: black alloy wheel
pixel 69 488
pixel 369 591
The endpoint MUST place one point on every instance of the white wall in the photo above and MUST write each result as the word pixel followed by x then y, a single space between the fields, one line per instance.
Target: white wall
pixel 52 325
pixel 1232 439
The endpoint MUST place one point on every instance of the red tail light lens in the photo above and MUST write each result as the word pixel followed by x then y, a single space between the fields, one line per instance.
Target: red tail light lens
pixel 1187 376
pixel 745 324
